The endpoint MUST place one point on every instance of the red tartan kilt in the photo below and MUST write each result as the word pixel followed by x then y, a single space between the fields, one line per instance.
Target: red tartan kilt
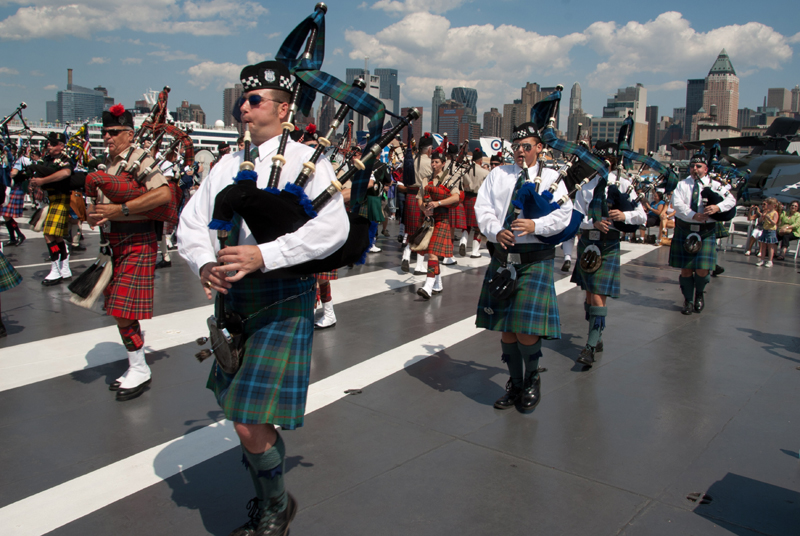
pixel 458 217
pixel 130 293
pixel 413 215
pixel 333 275
pixel 441 243
pixel 469 209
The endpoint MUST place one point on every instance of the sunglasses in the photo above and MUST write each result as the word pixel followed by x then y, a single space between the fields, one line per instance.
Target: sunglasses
pixel 495 165
pixel 697 165
pixel 111 131
pixel 524 146
pixel 254 100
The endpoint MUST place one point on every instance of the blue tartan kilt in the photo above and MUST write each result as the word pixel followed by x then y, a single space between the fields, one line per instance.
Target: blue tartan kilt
pixel 532 309
pixel 271 386
pixel 705 259
pixel 605 281
pixel 16 200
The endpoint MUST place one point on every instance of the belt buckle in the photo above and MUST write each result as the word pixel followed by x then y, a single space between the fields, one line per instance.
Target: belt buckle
pixel 694 228
pixel 594 235
pixel 514 258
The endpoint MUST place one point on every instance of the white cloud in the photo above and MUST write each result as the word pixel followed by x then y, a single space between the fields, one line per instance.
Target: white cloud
pixel 130 61
pixel 273 35
pixel 51 87
pixel 220 74
pixel 99 61
pixel 52 19
pixel 670 45
pixel 415 6
pixel 6 70
pixel 173 55
pixel 795 38
pixel 669 86
pixel 4 84
pixel 338 51
pixel 256 57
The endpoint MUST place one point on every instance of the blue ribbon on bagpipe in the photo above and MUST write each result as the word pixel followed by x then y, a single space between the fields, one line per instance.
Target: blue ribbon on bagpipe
pixel 292 47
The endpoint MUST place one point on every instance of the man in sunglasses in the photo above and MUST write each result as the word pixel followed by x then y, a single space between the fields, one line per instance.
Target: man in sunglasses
pixel 530 313
pixel 271 385
pixel 693 222
pixel 53 177
pixel 132 237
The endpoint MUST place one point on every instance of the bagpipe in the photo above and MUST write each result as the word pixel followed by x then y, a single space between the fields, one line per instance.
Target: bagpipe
pixel 130 181
pixel 271 213
pixel 709 194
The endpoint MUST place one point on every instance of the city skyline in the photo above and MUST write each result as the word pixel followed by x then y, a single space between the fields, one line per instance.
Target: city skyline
pixel 199 53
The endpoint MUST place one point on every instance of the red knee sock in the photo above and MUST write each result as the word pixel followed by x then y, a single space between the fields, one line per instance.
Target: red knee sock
pixel 132 336
pixel 433 268
pixel 325 293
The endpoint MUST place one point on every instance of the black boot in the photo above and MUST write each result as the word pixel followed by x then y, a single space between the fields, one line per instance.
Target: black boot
pixel 687 307
pixel 587 356
pixel 274 523
pixel 531 393
pixel 254 512
pixel 699 302
pixel 510 398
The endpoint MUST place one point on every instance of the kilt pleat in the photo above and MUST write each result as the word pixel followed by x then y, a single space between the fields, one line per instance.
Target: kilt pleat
pixel 333 275
pixel 16 201
pixel 469 209
pixel 271 386
pixel 531 310
pixel 57 221
pixel 130 292
pixel 413 216
pixel 458 217
pixel 705 259
pixel 9 277
pixel 441 243
pixel 606 280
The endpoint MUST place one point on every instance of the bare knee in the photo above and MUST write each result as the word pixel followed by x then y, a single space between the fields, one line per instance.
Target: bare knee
pixel 256 438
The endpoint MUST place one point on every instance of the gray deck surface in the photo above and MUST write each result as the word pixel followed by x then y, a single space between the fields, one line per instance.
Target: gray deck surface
pixel 675 405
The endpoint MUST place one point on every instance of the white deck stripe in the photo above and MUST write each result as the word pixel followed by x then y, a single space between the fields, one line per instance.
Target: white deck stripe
pixel 88 493
pixel 50 358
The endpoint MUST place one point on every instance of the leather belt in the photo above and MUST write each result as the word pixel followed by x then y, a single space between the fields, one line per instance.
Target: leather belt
pixel 696 227
pixel 470 194
pixel 594 235
pixel 127 227
pixel 527 257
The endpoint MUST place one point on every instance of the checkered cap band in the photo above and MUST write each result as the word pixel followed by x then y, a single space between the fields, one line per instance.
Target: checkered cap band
pixel 250 82
pixel 286 83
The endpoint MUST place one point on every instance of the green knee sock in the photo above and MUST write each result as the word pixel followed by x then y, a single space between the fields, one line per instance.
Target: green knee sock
pixel 597 323
pixel 530 355
pixel 266 470
pixel 513 359
pixel 687 287
pixel 701 282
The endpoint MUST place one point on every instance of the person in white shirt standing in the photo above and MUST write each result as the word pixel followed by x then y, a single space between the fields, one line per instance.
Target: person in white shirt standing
pixel 530 314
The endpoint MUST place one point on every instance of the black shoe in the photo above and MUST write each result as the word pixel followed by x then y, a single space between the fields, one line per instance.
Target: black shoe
pixel 424 293
pixel 51 282
pixel 599 347
pixel 133 392
pixel 77 248
pixel 462 250
pixel 277 524
pixel 566 266
pixel 163 264
pixel 20 239
pixel 531 394
pixel 699 303
pixel 509 399
pixel 254 512
pixel 404 266
pixel 717 270
pixel 687 307
pixel 417 272
pixel 114 385
pixel 587 356
pixel 385 233
pixel 400 239
pixel 11 242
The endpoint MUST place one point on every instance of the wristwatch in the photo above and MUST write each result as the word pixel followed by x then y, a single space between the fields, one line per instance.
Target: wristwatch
pixel 125 210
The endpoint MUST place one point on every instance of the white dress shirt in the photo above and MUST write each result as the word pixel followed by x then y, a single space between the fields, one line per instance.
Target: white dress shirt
pixel 586 193
pixel 317 239
pixel 682 198
pixel 494 198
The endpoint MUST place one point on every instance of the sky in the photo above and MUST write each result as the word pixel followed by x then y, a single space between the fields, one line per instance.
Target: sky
pixel 198 47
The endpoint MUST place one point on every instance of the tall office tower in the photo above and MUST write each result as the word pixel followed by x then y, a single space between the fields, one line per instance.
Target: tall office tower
pixel 630 99
pixel 530 95
pixel 678 116
pixel 722 90
pixel 492 123
pixel 229 97
pixel 575 102
pixel 694 101
pixel 468 97
pixel 780 98
pixel 390 89
pixel 651 116
pixel 513 115
pixel 438 99
pixel 327 109
pixel 576 115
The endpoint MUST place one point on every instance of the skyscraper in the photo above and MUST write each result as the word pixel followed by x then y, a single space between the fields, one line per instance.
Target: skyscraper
pixel 468 97
pixel 438 99
pixel 492 123
pixel 229 97
pixel 651 116
pixel 513 115
pixel 780 98
pixel 694 101
pixel 722 90
pixel 530 95
pixel 78 103
pixel 390 89
pixel 575 102
pixel 576 115
pixel 795 106
pixel 327 110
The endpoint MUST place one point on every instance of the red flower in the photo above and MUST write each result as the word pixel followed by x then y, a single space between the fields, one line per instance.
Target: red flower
pixel 117 110
pixel 426 135
pixel 311 129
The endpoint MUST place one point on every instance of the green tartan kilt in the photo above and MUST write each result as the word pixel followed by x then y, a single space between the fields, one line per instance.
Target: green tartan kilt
pixel 705 259
pixel 605 281
pixel 371 208
pixel 532 309
pixel 271 386
pixel 57 221
pixel 9 277
pixel 721 230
